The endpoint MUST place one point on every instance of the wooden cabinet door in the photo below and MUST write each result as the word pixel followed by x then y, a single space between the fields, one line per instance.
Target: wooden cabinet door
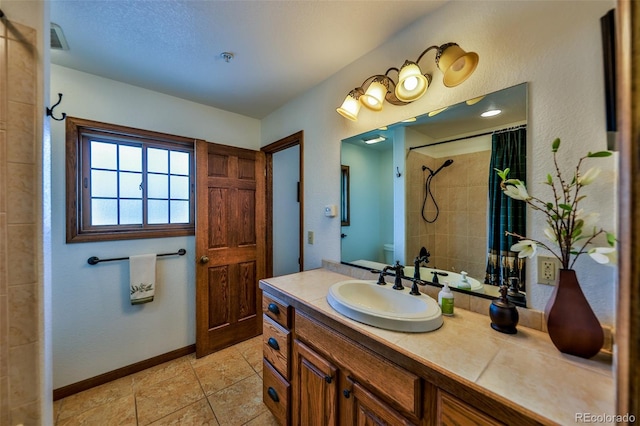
pixel 314 388
pixel 367 409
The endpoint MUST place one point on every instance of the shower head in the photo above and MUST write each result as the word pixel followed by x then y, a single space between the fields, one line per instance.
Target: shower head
pixel 445 164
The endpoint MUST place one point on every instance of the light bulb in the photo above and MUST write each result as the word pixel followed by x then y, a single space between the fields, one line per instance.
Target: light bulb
pixel 410 83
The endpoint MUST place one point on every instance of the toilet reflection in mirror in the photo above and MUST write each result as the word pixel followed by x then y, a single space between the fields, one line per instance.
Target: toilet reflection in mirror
pixel 454 214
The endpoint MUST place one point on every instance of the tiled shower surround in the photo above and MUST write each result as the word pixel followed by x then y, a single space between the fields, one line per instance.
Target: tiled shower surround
pixel 20 219
pixel 457 239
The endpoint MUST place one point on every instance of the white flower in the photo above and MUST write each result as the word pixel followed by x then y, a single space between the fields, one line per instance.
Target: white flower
pixel 604 255
pixel 589 176
pixel 517 192
pixel 526 248
pixel 550 234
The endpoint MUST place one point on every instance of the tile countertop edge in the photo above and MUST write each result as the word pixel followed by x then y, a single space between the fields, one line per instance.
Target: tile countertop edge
pixel 311 299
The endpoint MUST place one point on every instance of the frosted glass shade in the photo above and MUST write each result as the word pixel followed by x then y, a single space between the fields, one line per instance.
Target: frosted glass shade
pixel 456 64
pixel 374 96
pixel 411 83
pixel 349 108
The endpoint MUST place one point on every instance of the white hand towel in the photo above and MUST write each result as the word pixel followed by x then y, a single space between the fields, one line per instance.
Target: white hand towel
pixel 142 274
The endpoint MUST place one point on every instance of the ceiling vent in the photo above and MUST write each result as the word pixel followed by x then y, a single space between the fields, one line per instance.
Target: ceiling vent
pixel 58 42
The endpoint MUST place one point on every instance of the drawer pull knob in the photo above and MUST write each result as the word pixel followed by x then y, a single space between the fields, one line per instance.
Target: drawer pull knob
pixel 273 308
pixel 273 394
pixel 328 379
pixel 273 343
pixel 346 393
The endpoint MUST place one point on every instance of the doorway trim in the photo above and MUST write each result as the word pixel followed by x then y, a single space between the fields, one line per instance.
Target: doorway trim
pixel 296 139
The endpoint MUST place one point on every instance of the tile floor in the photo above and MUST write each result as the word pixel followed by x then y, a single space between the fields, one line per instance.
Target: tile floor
pixel 224 388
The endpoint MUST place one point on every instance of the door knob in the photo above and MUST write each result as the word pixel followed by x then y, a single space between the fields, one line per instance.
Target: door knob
pixel 204 259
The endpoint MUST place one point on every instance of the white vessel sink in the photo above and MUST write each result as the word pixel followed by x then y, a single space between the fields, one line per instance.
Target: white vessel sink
pixel 382 306
pixel 452 278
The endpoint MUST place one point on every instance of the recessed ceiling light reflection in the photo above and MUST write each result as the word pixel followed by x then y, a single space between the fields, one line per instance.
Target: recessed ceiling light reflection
pixel 374 140
pixel 491 113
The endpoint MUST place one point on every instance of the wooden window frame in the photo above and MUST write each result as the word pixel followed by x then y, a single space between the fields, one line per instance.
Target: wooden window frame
pixel 78 200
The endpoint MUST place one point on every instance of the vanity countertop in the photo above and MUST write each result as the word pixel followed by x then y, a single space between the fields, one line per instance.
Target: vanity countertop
pixel 524 368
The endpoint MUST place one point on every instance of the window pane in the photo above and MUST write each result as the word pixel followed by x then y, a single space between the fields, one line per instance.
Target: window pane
pixel 179 163
pixel 104 212
pixel 179 187
pixel 130 158
pixel 130 185
pixel 103 155
pixel 157 186
pixel 130 212
pixel 179 211
pixel 157 160
pixel 158 211
pixel 104 184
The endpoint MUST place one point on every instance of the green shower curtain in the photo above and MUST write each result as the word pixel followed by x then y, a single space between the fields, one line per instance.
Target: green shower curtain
pixel 509 150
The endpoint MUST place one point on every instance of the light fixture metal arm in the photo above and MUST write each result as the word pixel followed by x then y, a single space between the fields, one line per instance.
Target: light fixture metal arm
pixel 425 52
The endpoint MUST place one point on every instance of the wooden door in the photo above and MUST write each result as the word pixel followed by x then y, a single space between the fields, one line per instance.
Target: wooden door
pixel 314 386
pixel 230 245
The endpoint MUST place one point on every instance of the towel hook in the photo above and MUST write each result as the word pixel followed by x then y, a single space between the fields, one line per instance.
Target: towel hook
pixel 50 110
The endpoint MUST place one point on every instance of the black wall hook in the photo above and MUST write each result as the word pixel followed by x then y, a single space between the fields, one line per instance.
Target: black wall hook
pixel 50 110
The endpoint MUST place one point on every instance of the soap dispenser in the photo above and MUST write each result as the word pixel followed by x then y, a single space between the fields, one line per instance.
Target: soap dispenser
pixel 503 313
pixel 464 282
pixel 445 300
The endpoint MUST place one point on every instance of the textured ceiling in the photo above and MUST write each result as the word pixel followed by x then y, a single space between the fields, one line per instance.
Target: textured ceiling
pixel 281 48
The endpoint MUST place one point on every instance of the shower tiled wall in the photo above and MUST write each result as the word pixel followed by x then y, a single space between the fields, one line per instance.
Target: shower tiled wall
pixel 20 219
pixel 457 239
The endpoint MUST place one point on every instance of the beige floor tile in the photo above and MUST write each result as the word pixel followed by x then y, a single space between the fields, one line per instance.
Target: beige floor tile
pixel 161 372
pixel 56 410
pixel 121 412
pixel 239 403
pixel 222 369
pixel 94 397
pixel 264 419
pixel 251 350
pixel 199 413
pixel 160 399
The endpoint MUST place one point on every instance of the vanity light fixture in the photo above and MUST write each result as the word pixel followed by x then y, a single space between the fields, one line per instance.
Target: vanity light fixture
pixel 491 113
pixel 455 64
pixel 374 140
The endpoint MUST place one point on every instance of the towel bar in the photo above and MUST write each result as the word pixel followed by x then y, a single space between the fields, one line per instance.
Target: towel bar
pixel 94 260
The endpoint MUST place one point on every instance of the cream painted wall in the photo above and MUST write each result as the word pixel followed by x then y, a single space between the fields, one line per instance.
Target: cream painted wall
pixel 555 46
pixel 95 329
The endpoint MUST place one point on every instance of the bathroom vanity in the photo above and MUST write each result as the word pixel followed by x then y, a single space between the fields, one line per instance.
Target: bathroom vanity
pixel 322 368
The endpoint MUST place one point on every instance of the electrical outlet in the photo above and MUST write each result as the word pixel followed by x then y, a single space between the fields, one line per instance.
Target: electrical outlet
pixel 547 270
pixel 310 237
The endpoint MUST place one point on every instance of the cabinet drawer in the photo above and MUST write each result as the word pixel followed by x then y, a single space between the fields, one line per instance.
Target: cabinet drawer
pixel 453 411
pixel 275 392
pixel 276 309
pixel 276 341
pixel 397 386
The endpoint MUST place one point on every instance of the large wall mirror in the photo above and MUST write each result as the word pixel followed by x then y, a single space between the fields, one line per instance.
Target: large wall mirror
pixel 425 182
